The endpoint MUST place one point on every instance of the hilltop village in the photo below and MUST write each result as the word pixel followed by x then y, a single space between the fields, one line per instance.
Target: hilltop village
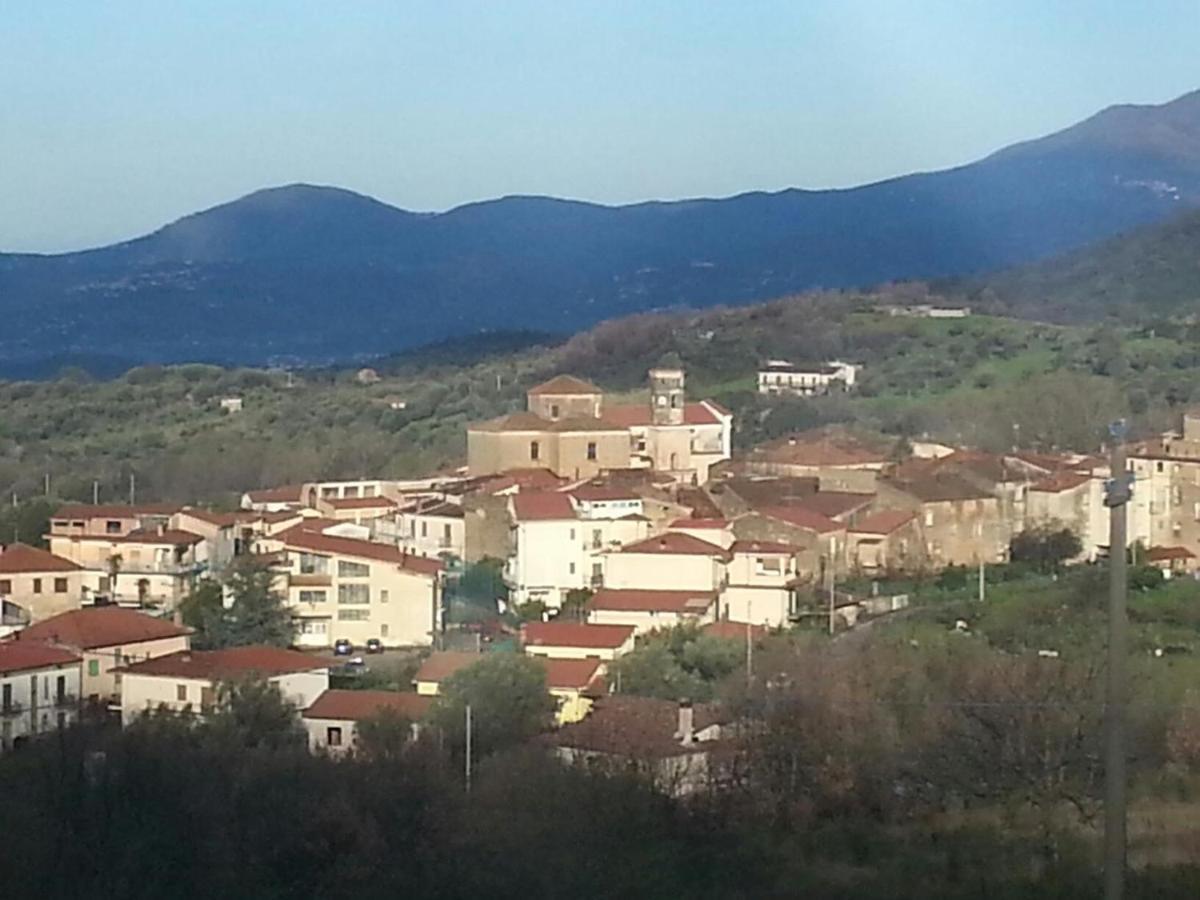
pixel 605 522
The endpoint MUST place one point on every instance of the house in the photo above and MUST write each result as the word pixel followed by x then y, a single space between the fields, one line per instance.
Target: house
pixel 1172 560
pixel 36 584
pixel 230 405
pixel 573 640
pixel 438 666
pixel 344 588
pixel 569 429
pixel 1072 500
pixel 273 500
pixel 575 685
pixel 109 519
pixel 838 459
pixel 144 568
pixel 39 690
pixel 886 541
pixel 360 510
pixel 779 376
pixel 220 531
pixel 676 747
pixel 333 718
pixel 818 542
pixel 759 589
pixel 367 376
pixel 188 680
pixel 107 637
pixel 547 562
pixel 962 522
pixel 435 528
pixel 649 610
pixel 670 561
pixel 712 531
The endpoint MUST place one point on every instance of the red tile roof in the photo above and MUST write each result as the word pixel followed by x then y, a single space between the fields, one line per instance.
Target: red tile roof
pixel 639 414
pixel 1161 554
pixel 361 503
pixel 300 538
pixel 884 522
pixel 18 558
pixel 705 524
pixel 570 674
pixel 598 492
pixel 288 493
pixel 1060 481
pixel 440 665
pixel 834 503
pixel 802 518
pixel 517 421
pixel 574 634
pixel 101 626
pixel 625 725
pixel 730 630
pixel 354 706
pixel 762 547
pixel 676 543
pixel 220 519
pixel 821 449
pixel 173 537
pixel 564 385
pixel 696 602
pixel 21 656
pixel 531 506
pixel 257 660
pixel 114 511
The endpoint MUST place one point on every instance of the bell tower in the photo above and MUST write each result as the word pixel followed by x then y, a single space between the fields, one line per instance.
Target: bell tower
pixel 666 395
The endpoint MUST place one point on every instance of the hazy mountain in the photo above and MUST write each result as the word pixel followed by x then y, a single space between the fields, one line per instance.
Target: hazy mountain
pixel 316 273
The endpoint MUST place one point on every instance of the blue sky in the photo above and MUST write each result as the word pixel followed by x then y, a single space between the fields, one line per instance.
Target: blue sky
pixel 120 116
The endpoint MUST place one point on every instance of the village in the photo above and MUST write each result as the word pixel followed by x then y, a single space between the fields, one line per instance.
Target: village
pixel 607 523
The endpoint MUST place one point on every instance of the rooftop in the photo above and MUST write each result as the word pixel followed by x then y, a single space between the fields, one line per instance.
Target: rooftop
pixel 234 662
pixel 730 630
pixel 355 706
pixel 640 414
pixel 571 674
pixel 22 656
pixel 300 538
pixel 19 558
pixel 1162 554
pixel 564 385
pixel 676 543
pixel 575 634
pixel 172 537
pixel 652 601
pixel 801 517
pixel 624 725
pixel 114 511
pixel 288 493
pixel 593 493
pixel 531 506
pixel 441 664
pixel 361 503
pixel 884 522
pixel 101 626
pixel 1060 481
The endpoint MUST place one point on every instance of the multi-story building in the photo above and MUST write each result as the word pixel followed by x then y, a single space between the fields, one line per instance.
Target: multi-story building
pixel 651 610
pixel 39 690
pixel 779 376
pixel 35 584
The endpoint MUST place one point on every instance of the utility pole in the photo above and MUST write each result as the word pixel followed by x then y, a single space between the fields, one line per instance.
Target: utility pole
pixel 749 657
pixel 467 762
pixel 47 484
pixel 832 592
pixel 982 583
pixel 95 493
pixel 1119 490
pixel 132 489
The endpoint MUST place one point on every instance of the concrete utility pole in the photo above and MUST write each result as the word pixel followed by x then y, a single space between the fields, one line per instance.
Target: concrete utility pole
pixel 132 489
pixel 749 656
pixel 832 593
pixel 95 493
pixel 467 762
pixel 982 583
pixel 1117 494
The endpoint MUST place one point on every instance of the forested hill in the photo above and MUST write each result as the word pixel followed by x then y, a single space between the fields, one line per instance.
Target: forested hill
pixel 311 274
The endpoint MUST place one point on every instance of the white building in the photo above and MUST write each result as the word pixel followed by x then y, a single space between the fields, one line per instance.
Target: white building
pixel 759 587
pixel 781 377
pixel 647 611
pixel 333 718
pixel 574 640
pixel 188 680
pixel 667 562
pixel 39 690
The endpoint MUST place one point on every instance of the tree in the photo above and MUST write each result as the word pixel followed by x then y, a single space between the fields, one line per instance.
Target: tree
pixel 256 616
pixel 508 699
pixel 251 714
pixel 204 606
pixel 383 736
pixel 1045 547
pixel 482 584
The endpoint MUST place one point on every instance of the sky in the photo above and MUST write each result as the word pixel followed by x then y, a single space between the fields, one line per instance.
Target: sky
pixel 119 117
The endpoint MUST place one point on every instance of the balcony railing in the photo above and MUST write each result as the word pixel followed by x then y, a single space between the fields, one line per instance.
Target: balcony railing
pixel 66 700
pixel 12 709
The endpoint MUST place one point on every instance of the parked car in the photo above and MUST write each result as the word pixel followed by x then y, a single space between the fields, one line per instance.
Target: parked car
pixel 374 645
pixel 352 668
pixel 342 647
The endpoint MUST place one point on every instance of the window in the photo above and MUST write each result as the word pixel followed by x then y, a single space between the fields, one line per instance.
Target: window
pixel 359 594
pixel 111 527
pixel 929 517
pixel 329 492
pixel 768 565
pixel 383 631
pixel 350 492
pixel 103 584
pixel 6 697
pixel 554 410
pixel 60 688
pixel 181 693
pixel 207 698
pixel 446 533
pixel 93 668
pixel 353 569
pixel 535 450
pixel 383 596
pixel 572 534
pixel 1159 466
pixel 5 585
pixel 597 538
pixel 591 450
pixel 37 585
pixel 570 568
pixel 354 615
pixel 311 564
pixel 60 585
pixel 333 736
pixel 312 596
pixel 424 529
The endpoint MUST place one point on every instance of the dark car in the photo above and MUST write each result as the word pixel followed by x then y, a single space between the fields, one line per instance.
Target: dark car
pixel 374 645
pixel 342 647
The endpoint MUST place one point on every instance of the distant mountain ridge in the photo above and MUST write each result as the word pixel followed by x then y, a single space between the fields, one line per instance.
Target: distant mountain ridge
pixel 314 274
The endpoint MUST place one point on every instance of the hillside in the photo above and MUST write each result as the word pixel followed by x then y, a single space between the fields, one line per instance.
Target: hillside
pixel 310 274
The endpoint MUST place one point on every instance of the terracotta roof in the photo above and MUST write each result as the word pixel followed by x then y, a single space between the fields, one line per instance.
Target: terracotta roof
pixel 599 492
pixel 441 664
pixel 355 706
pixel 822 449
pixel 1161 554
pixel 288 493
pixel 531 506
pixel 574 634
pixel 361 503
pixel 761 547
pixel 730 630
pixel 172 537
pixel 220 519
pixel 564 385
pixel 700 503
pixel 1060 481
pixel 801 518
pixel 114 511
pixel 18 558
pixel 942 487
pixel 585 423
pixel 442 509
pixel 835 503
pixel 570 674
pixel 884 522
pixel 610 599
pixel 701 524
pixel 518 421
pixel 101 626
pixel 300 538
pixel 624 725
pixel 677 543
pixel 21 656
pixel 257 660
pixel 639 414
pixel 535 479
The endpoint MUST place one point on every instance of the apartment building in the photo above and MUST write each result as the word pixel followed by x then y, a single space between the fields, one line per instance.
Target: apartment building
pixel 650 610
pixel 434 528
pixel 670 561
pixel 761 578
pixel 39 690
pixel 779 376
pixel 35 584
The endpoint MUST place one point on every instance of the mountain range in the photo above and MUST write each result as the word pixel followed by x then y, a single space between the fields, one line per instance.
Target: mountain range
pixel 308 274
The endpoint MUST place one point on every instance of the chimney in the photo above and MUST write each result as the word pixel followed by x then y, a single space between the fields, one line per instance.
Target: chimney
pixel 686 732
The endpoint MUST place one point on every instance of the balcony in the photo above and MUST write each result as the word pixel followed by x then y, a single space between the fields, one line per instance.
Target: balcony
pixel 66 700
pixel 11 709
pixel 311 579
